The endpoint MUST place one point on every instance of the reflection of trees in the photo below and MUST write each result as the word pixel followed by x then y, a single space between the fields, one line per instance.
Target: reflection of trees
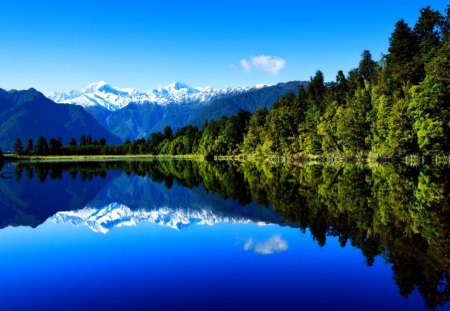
pixel 399 213
pixel 396 212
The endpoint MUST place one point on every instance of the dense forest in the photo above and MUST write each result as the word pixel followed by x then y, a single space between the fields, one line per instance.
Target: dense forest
pixel 393 107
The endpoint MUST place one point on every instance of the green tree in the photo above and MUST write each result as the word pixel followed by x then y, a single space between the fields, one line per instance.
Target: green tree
pixel 168 134
pixel 41 147
pixel 29 147
pixel 282 124
pixel 366 66
pixel 445 24
pixel 401 140
pixel 83 141
pixel 403 49
pixel 18 147
pixel 428 33
pixel 154 142
pixel 55 146
pixel 73 142
pixel 353 125
pixel 255 134
pixel 429 107
pixel 308 139
pixel 328 130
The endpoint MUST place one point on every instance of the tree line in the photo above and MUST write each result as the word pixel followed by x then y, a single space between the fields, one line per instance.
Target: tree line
pixel 54 146
pixel 393 107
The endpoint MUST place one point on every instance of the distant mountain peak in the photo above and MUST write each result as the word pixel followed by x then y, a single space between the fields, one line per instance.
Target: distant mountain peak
pixel 178 86
pixel 98 86
pixel 101 94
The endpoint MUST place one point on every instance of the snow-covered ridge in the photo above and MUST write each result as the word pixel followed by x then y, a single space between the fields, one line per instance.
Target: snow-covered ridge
pixel 101 94
pixel 116 215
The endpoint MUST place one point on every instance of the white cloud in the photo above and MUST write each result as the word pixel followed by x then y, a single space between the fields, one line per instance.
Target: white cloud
pixel 270 64
pixel 270 246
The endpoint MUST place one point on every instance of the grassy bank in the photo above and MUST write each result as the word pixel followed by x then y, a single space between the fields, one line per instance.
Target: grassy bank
pixel 100 158
pixel 362 158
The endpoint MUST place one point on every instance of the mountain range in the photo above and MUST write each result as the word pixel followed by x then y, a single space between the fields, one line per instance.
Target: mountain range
pixel 117 114
pixel 103 95
pixel 29 114
pixel 131 114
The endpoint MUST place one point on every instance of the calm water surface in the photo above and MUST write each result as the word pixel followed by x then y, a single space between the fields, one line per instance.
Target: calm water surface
pixel 173 234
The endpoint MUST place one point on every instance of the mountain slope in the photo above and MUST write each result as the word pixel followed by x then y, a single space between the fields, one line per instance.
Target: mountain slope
pixel 29 114
pixel 140 120
pixel 253 99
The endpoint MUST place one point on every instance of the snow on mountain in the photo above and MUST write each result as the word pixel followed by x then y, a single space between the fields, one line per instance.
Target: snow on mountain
pixel 101 94
pixel 117 215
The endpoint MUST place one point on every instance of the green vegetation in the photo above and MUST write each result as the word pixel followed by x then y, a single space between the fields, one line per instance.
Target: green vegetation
pixel 389 109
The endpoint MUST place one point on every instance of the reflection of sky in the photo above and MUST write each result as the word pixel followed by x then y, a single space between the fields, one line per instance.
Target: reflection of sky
pixel 272 245
pixel 201 267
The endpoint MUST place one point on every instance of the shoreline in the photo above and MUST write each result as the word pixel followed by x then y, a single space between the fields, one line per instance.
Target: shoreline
pixel 100 158
pixel 366 159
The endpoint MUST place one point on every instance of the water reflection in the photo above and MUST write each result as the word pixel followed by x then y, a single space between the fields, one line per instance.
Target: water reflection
pixel 272 245
pixel 401 214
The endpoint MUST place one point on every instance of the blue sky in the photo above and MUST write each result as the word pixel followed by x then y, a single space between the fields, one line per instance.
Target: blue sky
pixel 62 45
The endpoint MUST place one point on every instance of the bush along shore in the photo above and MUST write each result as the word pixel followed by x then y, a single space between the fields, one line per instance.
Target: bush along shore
pixel 393 109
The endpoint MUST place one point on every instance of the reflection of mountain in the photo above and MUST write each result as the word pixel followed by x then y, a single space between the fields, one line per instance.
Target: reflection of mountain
pixel 114 200
pixel 128 200
pixel 29 202
pixel 116 215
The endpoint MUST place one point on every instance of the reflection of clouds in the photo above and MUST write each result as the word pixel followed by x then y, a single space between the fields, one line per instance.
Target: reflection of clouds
pixel 270 246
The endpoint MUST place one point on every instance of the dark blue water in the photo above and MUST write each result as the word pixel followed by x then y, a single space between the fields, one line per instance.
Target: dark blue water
pixel 122 240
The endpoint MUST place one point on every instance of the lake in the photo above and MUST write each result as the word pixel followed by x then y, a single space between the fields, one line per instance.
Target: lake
pixel 167 235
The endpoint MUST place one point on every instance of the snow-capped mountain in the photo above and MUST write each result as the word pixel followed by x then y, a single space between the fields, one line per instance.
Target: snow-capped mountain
pixel 117 215
pixel 101 94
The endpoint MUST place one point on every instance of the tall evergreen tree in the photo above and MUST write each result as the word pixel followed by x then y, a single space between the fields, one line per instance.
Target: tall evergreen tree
pixel 41 147
pixel 73 142
pixel 168 134
pixel 55 146
pixel 83 141
pixel 18 147
pixel 403 49
pixel 89 140
pixel 366 66
pixel 429 35
pixel 445 24
pixel 29 147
